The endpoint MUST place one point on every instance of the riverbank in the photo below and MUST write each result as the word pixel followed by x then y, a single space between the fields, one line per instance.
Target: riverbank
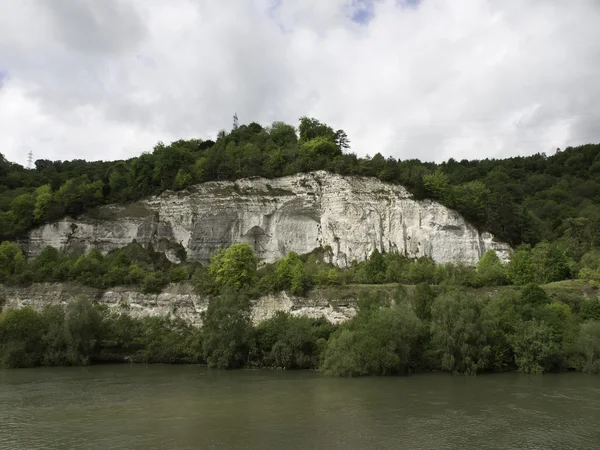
pixel 421 329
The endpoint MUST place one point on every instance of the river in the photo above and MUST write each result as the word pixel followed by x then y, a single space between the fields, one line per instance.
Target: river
pixel 190 407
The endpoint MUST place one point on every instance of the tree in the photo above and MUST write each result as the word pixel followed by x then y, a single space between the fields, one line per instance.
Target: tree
pixel 234 268
pixel 491 270
pixel 20 338
pixel 422 270
pixel 422 300
pixel 227 330
pixel 586 350
pixel 521 268
pixel 590 309
pixel 311 128
pixel 380 343
pixel 535 347
pixel 437 184
pixel 82 327
pixel 12 261
pixel 283 135
pixel 290 274
pixel 458 331
pixel 319 147
pixel 375 268
pixel 551 263
pixel 341 140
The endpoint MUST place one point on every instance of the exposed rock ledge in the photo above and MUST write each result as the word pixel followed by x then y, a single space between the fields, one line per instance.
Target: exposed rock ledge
pixel 352 215
pixel 177 300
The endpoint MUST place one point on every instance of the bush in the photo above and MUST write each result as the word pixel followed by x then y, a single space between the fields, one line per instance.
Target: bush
pixel 586 350
pixel 490 270
pixel 590 310
pixel 234 268
pixel 382 342
pixel 422 271
pixel 289 342
pixel 536 347
pixel 21 338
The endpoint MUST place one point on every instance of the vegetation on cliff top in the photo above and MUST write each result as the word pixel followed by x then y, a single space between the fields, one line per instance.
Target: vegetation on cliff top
pixel 520 200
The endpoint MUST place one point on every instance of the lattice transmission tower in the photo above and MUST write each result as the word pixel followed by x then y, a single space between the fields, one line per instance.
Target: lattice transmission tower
pixel 30 160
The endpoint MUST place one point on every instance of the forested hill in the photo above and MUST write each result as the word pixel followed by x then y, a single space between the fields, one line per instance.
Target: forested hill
pixel 520 200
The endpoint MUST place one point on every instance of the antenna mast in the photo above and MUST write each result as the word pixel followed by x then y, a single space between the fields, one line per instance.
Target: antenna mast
pixel 30 160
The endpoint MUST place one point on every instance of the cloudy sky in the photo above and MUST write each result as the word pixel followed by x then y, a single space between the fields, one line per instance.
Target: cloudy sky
pixel 428 79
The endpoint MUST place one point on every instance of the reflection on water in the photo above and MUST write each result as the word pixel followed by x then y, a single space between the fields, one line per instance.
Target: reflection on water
pixel 189 407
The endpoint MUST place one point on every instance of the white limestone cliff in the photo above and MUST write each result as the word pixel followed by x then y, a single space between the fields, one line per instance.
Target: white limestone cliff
pixel 352 215
pixel 175 301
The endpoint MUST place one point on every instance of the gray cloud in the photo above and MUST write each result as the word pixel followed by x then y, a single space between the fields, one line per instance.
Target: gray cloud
pixel 430 80
pixel 90 26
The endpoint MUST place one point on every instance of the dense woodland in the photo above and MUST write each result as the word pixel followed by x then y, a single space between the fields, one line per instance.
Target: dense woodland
pixel 446 327
pixel 522 200
pixel 546 207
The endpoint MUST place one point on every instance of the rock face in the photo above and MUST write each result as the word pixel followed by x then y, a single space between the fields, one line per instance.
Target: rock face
pixel 176 301
pixel 352 215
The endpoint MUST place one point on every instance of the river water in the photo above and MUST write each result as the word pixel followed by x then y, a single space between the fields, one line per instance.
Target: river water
pixel 190 407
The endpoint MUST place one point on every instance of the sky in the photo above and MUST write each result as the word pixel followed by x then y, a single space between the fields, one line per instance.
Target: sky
pixel 426 79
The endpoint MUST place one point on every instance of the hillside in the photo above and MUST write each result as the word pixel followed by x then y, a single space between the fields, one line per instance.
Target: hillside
pixel 519 200
pixel 125 245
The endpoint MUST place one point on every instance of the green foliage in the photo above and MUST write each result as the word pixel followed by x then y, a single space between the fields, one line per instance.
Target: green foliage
pixel 491 270
pixel 234 268
pixel 290 274
pixel 167 341
pixel 437 184
pixel 551 263
pixel 81 331
pixel 520 200
pixel 311 128
pixel 153 282
pixel 376 268
pixel 52 337
pixel 459 334
pixel 227 331
pixel 586 349
pixel 590 310
pixel 590 266
pixel 289 342
pixel 12 262
pixel 521 269
pixel 129 265
pixel 456 274
pixel 530 300
pixel 422 301
pixel 380 343
pixel 536 348
pixel 422 271
pixel 21 338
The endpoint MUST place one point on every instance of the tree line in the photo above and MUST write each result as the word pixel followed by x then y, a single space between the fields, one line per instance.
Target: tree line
pixel 446 326
pixel 430 329
pixel 238 267
pixel 521 200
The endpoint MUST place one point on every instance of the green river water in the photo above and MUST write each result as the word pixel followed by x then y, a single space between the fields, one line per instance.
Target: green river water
pixel 190 407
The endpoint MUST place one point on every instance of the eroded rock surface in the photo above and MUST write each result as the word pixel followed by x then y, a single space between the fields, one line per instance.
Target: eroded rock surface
pixel 352 215
pixel 176 301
